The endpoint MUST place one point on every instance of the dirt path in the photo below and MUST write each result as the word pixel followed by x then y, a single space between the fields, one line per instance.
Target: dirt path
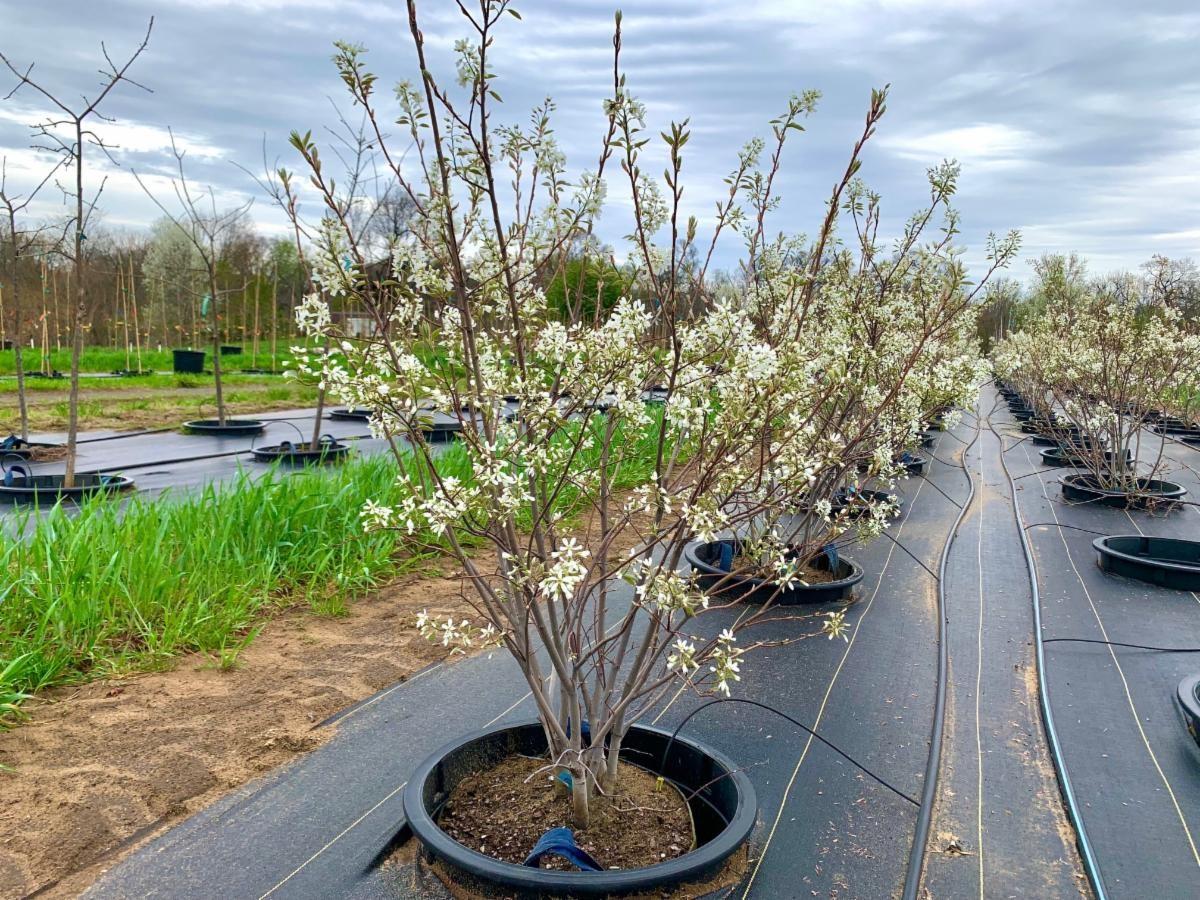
pixel 102 767
pixel 137 407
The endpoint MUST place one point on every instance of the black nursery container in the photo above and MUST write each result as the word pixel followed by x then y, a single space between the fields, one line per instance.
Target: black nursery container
pixel 705 560
pixel 723 804
pixel 188 362
pixel 231 428
pixel 26 488
pixel 1167 562
pixel 1189 704
pixel 1151 493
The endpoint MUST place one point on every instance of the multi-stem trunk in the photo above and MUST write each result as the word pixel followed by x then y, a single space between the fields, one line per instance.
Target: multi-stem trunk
pixel 80 314
pixel 316 432
pixel 216 343
pixel 18 337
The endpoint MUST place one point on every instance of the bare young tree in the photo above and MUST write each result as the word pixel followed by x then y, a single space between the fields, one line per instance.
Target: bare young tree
pixel 19 243
pixel 209 230
pixel 66 132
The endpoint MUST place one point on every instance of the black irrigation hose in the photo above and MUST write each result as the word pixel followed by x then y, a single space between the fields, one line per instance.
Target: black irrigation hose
pixel 1090 864
pixel 1062 525
pixel 1071 640
pixel 186 459
pixel 842 753
pixel 916 855
pixel 910 553
pixel 125 434
pixel 943 493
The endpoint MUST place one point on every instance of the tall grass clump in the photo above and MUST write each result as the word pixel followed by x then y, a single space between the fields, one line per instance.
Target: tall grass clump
pixel 115 586
pixel 112 586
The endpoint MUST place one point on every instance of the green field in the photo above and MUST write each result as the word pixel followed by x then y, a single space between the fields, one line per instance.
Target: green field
pixel 106 359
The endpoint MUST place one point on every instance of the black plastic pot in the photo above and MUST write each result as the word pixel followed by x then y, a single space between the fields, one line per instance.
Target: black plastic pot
pixel 26 488
pixel 230 349
pixel 1082 487
pixel 914 465
pixel 190 362
pixel 14 447
pixel 929 439
pixel 1167 562
pixel 705 560
pixel 1189 704
pixel 231 428
pixel 1041 440
pixel 722 800
pixel 302 454
pixel 1182 432
pixel 847 502
pixel 350 414
pixel 1024 415
pixel 1064 458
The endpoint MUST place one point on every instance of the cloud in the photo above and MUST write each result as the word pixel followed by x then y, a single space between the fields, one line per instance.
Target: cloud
pixel 1075 121
pixel 984 147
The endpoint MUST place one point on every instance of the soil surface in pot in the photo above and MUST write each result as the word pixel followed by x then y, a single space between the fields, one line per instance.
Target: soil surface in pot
pixel 501 812
pixel 809 574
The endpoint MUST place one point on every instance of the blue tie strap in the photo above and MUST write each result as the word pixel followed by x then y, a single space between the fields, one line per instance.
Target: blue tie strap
pixel 561 842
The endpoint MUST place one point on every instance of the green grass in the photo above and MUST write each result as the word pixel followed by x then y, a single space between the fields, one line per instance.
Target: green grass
pixel 115 587
pixel 106 359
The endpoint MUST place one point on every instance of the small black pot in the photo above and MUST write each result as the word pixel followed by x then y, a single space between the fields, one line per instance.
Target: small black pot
pixel 49 488
pixel 303 454
pixel 350 414
pixel 916 465
pixel 1082 487
pixel 1167 562
pixel 1040 440
pixel 1189 705
pixel 722 799
pixel 705 559
pixel 929 439
pixel 231 428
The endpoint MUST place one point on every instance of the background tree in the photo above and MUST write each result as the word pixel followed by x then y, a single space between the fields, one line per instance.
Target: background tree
pixel 17 243
pixel 67 133
pixel 213 234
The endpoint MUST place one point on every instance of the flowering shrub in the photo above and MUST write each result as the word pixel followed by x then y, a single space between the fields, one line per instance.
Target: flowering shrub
pixel 1110 368
pixel 773 393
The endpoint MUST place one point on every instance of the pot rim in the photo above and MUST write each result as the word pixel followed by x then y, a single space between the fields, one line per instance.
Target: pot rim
pixel 1173 491
pixel 231 426
pixel 1101 546
pixel 275 452
pixel 116 482
pixel 1188 696
pixel 599 884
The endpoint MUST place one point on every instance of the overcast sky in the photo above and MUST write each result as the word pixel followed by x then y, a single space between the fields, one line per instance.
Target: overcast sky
pixel 1077 123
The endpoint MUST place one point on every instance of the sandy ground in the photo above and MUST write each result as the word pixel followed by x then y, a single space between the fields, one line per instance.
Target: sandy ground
pixel 104 767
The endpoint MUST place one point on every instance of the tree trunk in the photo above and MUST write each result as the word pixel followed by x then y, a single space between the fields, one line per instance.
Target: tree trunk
pixel 80 313
pixel 581 814
pixel 18 336
pixel 216 345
